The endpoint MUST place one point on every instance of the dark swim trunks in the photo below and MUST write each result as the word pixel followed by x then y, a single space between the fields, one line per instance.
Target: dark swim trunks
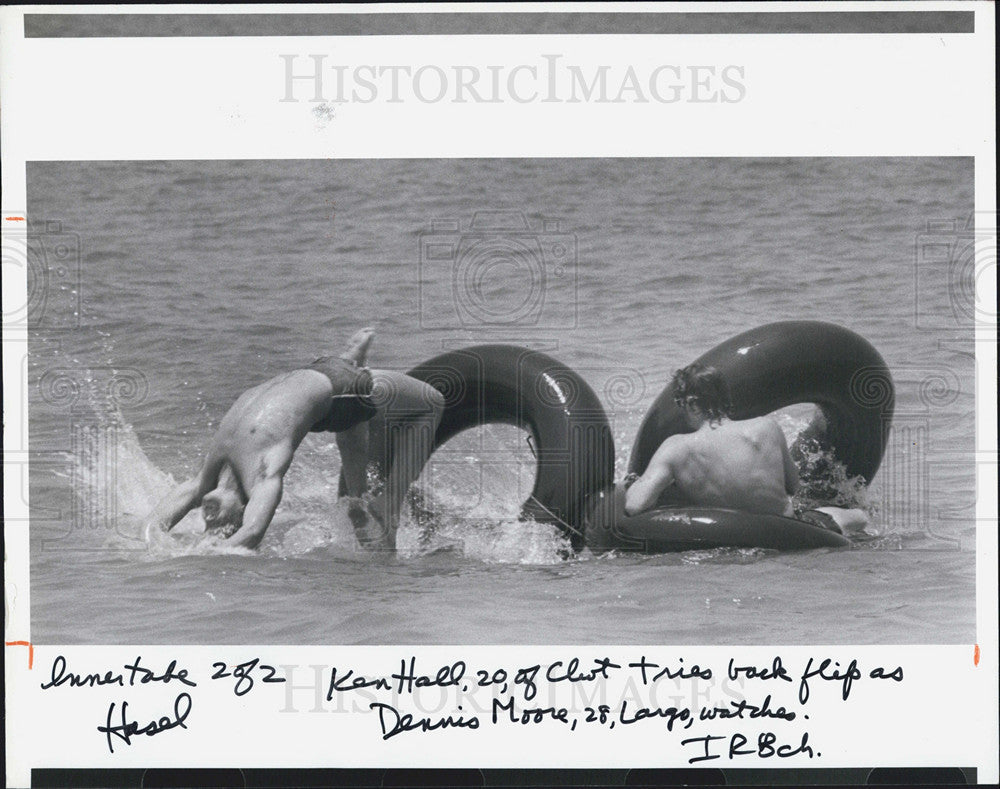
pixel 351 403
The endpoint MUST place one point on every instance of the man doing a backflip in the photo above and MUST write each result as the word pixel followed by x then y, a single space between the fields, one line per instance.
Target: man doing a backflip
pixel 241 480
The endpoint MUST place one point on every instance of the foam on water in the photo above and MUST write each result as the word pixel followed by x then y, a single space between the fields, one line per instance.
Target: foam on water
pixel 113 471
pixel 827 482
pixel 121 475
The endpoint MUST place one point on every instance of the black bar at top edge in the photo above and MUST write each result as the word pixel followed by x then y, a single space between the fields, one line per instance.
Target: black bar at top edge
pixel 512 23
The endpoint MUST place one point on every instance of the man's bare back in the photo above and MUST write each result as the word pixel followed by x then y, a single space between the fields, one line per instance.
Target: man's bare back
pixel 268 421
pixel 741 465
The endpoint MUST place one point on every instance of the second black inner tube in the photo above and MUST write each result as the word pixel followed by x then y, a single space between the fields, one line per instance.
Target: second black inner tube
pixel 788 362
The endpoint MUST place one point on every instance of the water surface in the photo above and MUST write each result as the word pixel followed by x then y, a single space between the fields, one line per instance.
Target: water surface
pixel 199 279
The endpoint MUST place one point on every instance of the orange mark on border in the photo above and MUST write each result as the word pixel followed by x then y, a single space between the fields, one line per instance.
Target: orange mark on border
pixel 975 655
pixel 28 644
pixel 15 219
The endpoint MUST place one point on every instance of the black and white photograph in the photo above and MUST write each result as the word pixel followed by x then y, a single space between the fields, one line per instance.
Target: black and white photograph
pixel 490 349
pixel 402 387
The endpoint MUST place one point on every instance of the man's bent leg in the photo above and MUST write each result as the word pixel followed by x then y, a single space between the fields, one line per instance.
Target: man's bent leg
pixel 411 423
pixel 368 527
pixel 353 446
pixel 357 347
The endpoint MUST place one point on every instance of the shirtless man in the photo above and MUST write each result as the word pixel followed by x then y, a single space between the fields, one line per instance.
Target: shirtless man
pixel 741 465
pixel 404 414
pixel 240 483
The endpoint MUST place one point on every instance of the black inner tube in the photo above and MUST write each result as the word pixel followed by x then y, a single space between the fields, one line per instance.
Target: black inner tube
pixel 790 362
pixel 571 436
pixel 766 368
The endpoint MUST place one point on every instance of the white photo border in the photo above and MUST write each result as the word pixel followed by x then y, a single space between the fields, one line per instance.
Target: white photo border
pixel 897 94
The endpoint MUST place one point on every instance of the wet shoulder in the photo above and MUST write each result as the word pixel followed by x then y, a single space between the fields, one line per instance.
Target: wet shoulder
pixel 761 432
pixel 762 425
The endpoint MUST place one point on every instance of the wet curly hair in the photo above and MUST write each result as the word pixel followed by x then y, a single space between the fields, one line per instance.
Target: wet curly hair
pixel 704 387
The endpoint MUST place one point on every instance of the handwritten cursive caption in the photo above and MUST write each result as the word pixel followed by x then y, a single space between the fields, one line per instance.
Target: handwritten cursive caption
pixel 524 696
pixel 121 726
pixel 732 710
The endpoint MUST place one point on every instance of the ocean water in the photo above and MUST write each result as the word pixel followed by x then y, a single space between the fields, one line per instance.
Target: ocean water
pixel 170 287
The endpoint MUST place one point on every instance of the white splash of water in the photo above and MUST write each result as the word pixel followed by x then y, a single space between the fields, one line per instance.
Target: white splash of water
pixel 475 504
